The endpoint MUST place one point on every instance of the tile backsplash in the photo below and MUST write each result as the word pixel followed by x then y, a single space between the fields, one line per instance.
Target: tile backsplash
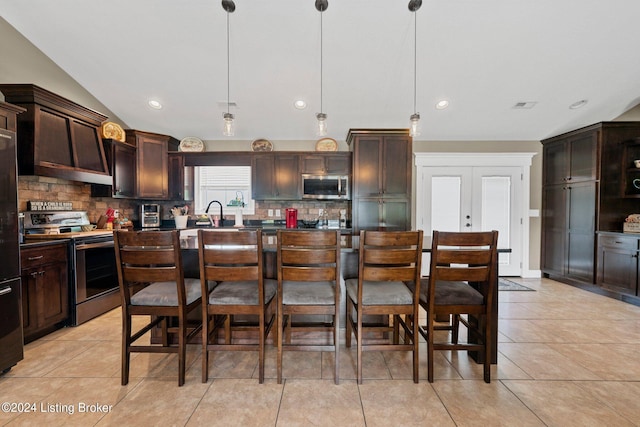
pixel 38 188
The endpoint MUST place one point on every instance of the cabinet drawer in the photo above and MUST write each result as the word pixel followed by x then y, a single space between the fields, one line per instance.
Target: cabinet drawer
pixel 33 257
pixel 622 242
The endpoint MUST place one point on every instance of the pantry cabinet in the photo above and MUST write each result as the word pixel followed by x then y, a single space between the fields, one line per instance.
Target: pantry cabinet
pixel 381 187
pixel 583 193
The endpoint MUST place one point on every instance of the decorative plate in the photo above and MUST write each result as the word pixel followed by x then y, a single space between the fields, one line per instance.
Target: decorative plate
pixel 261 145
pixel 326 144
pixel 191 143
pixel 111 130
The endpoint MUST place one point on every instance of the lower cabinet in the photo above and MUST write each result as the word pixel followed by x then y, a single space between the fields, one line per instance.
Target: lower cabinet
pixel 618 262
pixel 45 289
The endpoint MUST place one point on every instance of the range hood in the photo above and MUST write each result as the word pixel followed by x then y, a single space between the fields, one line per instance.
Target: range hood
pixel 57 137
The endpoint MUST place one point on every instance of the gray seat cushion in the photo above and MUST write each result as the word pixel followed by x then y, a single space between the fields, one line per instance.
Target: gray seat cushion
pixel 308 293
pixel 166 294
pixel 380 293
pixel 241 293
pixel 451 293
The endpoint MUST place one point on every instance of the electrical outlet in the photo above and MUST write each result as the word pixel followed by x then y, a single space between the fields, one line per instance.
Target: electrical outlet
pixel 270 212
pixel 320 211
pixel 270 240
pixel 278 213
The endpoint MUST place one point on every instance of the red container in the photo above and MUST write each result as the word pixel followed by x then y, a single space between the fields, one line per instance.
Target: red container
pixel 291 216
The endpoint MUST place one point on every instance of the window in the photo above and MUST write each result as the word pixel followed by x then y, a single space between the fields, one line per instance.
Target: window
pixel 230 185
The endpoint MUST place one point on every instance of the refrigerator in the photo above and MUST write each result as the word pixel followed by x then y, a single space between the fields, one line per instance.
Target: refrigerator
pixel 11 341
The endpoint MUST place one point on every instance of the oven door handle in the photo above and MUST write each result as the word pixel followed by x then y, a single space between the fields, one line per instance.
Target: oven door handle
pixel 85 246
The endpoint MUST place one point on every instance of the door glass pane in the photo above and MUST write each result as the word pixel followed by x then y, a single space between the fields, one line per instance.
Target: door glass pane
pixel 445 203
pixel 496 210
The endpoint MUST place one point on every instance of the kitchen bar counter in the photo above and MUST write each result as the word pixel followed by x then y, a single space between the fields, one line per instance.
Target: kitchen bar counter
pixel 348 267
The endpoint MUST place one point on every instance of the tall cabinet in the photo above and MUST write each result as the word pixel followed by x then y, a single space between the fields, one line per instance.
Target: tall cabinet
pixel 582 195
pixel 381 193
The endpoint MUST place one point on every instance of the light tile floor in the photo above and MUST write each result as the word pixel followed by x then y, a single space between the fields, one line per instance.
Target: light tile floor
pixel 567 357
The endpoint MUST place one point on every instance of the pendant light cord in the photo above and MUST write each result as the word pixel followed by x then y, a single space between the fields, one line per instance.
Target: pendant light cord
pixel 321 38
pixel 415 57
pixel 228 56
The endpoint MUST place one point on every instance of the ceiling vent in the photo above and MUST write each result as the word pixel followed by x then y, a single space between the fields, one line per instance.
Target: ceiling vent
pixel 526 105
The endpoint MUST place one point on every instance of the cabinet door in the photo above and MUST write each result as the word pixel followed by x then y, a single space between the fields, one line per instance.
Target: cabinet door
pixel 287 177
pixel 124 170
pixel 367 167
pixel 45 298
pixel 583 157
pixel 152 165
pixel 382 214
pixel 554 212
pixel 396 167
pixel 581 228
pixel 556 162
pixel 338 164
pixel 262 177
pixel 313 164
pixel 618 263
pixel 177 179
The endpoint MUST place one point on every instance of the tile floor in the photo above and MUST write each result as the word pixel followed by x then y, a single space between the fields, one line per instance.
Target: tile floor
pixel 567 358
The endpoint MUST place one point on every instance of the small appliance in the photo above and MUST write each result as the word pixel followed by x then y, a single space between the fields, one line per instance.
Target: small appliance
pixel 325 187
pixel 150 216
pixel 291 216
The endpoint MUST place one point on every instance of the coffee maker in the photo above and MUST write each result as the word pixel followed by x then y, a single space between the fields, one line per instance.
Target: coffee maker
pixel 291 216
pixel 150 216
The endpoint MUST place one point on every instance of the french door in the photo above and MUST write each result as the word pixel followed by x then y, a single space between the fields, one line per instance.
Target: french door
pixel 477 192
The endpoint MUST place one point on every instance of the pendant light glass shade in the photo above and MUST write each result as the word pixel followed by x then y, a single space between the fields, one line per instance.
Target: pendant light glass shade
pixel 228 129
pixel 414 129
pixel 322 124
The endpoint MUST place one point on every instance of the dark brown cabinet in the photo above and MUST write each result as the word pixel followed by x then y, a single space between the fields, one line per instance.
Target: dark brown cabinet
pixel 57 137
pixel 275 176
pixel 45 289
pixel 180 178
pixel 121 158
pixel 381 178
pixel 618 262
pixel 581 195
pixel 152 163
pixel 327 164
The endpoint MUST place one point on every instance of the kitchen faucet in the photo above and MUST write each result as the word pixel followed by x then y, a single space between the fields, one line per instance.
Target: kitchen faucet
pixel 207 211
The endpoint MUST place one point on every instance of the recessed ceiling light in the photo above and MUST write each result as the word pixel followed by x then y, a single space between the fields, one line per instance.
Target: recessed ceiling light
pixel 300 104
pixel 156 105
pixel 578 104
pixel 441 105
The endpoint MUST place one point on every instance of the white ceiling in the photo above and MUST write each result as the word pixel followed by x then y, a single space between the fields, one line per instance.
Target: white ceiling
pixel 482 56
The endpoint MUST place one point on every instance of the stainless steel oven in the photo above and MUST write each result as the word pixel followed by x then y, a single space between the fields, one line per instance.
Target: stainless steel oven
pixel 92 262
pixel 94 274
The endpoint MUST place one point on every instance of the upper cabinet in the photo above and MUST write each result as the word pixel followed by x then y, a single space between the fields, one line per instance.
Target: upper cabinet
pixel 57 137
pixel 572 159
pixel 327 164
pixel 152 163
pixel 381 178
pixel 275 176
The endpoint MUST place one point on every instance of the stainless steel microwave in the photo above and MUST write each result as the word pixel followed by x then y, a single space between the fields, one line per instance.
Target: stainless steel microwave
pixel 326 187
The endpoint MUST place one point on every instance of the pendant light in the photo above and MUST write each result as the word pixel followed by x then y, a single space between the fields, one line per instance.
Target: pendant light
pixel 414 129
pixel 321 6
pixel 228 130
